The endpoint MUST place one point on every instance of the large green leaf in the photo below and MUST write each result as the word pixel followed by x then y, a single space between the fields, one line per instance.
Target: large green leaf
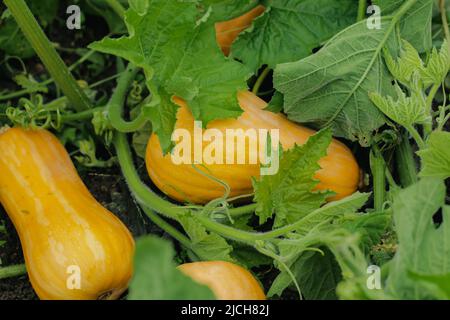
pixel 156 277
pixel 317 275
pixel 290 30
pixel 415 26
pixel 221 10
pixel 181 57
pixel 331 87
pixel 370 226
pixel 424 247
pixel 436 157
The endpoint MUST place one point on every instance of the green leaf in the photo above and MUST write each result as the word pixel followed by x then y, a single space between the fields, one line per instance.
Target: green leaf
pixel 424 247
pixel 439 285
pixel 221 10
pixel 331 86
pixel 370 226
pixel 438 65
pixel 156 277
pixel 415 25
pixel 276 103
pixel 317 275
pixel 332 210
pixel 409 62
pixel 207 245
pixel 139 6
pixel 162 112
pixel 290 30
pixel 289 193
pixel 436 157
pixel 406 111
pixel 249 257
pixel 180 57
pixel 29 83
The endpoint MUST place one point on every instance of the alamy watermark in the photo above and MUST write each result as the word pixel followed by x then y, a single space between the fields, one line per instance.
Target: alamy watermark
pixel 374 279
pixel 374 21
pixel 74 20
pixel 73 281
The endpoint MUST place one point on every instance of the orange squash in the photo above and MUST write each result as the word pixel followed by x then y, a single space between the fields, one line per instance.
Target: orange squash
pixel 227 31
pixel 339 173
pixel 73 247
pixel 226 280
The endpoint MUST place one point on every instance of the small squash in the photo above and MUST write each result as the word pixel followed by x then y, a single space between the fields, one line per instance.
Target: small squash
pixel 226 280
pixel 182 182
pixel 73 247
pixel 227 31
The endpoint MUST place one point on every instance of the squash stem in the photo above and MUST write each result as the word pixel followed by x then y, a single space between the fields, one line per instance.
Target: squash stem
pixel 416 136
pixel 243 210
pixel 143 194
pixel 79 116
pixel 47 53
pixel 362 7
pixel 117 7
pixel 164 225
pixel 378 167
pixel 428 126
pixel 443 10
pixel 12 271
pixel 406 165
pixel 115 105
pixel 260 80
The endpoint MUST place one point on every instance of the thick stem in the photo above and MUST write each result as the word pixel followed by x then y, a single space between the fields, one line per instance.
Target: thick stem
pixel 406 165
pixel 428 127
pixel 416 136
pixel 80 116
pixel 444 21
pixel 172 231
pixel 115 106
pixel 117 7
pixel 243 210
pixel 362 7
pixel 260 80
pixel 47 53
pixel 378 167
pixel 143 194
pixel 12 271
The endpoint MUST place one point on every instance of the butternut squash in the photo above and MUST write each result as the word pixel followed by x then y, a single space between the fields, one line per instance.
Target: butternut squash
pixel 227 31
pixel 73 247
pixel 226 280
pixel 339 173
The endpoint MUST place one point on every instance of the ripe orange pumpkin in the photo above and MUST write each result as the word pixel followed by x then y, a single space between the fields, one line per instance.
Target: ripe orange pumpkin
pixel 340 172
pixel 227 31
pixel 226 280
pixel 73 247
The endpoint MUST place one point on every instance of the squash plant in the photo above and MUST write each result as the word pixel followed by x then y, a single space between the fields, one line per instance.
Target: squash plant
pixel 361 103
